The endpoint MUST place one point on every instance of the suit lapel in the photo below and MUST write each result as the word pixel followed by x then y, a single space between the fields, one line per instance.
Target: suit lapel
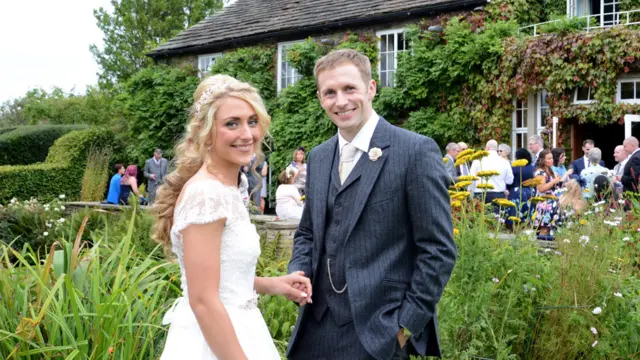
pixel 320 190
pixel 367 171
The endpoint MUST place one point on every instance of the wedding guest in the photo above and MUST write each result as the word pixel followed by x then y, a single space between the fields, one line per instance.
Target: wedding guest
pixel 518 193
pixel 155 170
pixel 114 185
pixel 571 201
pixel 128 184
pixel 550 183
pixel 299 168
pixel 504 151
pixel 288 202
pixel 594 169
pixel 536 145
pixel 559 158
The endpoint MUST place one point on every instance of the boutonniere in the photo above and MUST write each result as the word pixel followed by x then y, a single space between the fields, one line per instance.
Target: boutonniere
pixel 374 154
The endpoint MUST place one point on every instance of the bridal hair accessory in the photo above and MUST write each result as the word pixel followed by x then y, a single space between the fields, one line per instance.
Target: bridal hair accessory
pixel 210 90
pixel 375 153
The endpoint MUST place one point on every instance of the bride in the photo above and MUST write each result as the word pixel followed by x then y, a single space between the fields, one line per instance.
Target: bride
pixel 201 218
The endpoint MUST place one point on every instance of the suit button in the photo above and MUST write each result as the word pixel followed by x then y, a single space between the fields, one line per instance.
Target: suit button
pixel 337 222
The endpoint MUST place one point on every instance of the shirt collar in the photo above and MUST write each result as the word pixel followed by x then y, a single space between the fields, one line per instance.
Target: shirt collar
pixel 362 140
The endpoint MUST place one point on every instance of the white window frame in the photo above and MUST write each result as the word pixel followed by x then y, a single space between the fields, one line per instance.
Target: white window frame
pixel 292 74
pixel 379 35
pixel 540 126
pixel 515 131
pixel 205 62
pixel 583 102
pixel 631 79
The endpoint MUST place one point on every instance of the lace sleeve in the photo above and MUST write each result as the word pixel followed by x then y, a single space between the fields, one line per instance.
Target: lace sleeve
pixel 203 203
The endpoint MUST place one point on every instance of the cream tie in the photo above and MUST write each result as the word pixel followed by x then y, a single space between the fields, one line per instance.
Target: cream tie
pixel 347 157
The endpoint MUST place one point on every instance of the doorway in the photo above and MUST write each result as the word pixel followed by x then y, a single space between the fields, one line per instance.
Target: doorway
pixel 606 138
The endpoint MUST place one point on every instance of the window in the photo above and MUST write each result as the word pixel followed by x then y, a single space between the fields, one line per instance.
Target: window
pixel 629 91
pixel 391 43
pixel 543 112
pixel 206 62
pixel 519 125
pixel 287 74
pixel 583 95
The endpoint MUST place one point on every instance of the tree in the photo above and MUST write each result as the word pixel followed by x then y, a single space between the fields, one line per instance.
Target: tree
pixel 136 27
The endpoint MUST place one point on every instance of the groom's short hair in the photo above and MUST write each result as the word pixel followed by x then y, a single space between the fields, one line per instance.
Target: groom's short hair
pixel 338 57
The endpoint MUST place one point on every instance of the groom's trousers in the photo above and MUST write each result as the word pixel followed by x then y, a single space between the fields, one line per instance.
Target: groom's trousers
pixel 325 340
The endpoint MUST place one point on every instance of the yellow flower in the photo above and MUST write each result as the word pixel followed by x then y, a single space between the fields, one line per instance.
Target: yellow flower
pixel 445 159
pixel 456 204
pixel 582 222
pixel 468 178
pixel 479 154
pixel 504 203
pixel 303 198
pixel 456 232
pixel 488 173
pixel 532 182
pixel 459 195
pixel 461 160
pixel 586 190
pixel 515 219
pixel 461 184
pixel 485 186
pixel 536 199
pixel 550 197
pixel 467 152
pixel 520 163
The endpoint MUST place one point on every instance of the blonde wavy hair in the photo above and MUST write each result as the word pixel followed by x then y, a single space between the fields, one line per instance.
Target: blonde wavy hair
pixel 572 197
pixel 192 151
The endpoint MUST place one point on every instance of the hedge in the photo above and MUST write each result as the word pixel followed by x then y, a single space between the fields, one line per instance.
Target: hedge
pixel 61 173
pixel 30 144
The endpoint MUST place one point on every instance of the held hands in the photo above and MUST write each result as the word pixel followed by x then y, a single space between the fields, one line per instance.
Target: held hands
pixel 295 287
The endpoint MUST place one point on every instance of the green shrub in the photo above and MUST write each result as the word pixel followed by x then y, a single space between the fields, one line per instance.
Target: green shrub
pixel 156 102
pixel 61 173
pixel 7 129
pixel 30 144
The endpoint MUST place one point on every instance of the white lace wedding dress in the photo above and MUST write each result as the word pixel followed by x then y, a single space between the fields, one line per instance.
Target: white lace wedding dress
pixel 206 201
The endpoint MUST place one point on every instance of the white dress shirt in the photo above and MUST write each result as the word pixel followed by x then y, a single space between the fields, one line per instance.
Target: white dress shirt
pixel 493 162
pixel 362 140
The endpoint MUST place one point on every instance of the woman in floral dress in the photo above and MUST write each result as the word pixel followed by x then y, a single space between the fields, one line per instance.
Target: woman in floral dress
pixel 546 211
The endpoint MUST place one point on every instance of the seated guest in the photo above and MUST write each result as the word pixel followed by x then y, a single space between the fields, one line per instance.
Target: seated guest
pixel 129 183
pixel 114 185
pixel 590 173
pixel 288 200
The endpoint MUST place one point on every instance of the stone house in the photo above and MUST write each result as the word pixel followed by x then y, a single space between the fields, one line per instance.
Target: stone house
pixel 282 23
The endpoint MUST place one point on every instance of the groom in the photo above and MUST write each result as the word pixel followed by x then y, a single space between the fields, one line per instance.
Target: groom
pixel 376 233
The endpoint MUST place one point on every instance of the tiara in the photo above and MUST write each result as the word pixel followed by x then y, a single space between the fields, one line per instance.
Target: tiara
pixel 210 91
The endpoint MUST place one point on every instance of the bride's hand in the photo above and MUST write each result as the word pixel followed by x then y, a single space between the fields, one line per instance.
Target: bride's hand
pixel 295 287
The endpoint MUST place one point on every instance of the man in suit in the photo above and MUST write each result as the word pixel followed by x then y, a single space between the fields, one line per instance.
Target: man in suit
pixel 582 163
pixel 376 235
pixel 452 150
pixel 155 170
pixel 536 145
pixel 631 173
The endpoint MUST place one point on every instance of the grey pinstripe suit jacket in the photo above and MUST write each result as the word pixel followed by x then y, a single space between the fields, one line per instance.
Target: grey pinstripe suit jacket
pixel 399 249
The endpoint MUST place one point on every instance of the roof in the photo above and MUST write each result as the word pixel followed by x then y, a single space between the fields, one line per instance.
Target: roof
pixel 247 21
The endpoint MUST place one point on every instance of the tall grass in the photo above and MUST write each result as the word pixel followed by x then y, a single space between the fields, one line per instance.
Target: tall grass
pixel 103 302
pixel 96 175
